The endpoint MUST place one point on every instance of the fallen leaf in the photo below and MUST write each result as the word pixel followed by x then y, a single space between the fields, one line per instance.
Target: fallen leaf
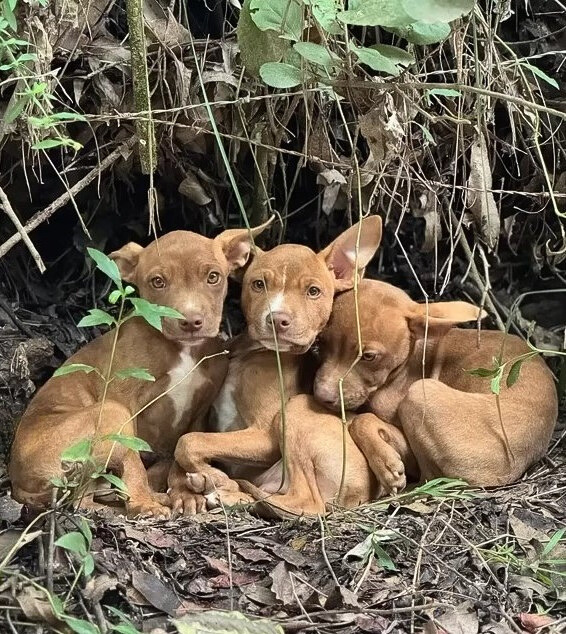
pixel 156 592
pixel 532 622
pixel 463 619
pixel 282 584
pixel 290 555
pixel 10 510
pixel 253 554
pixel 481 201
pixel 9 539
pixel 36 606
pixel 340 598
pixel 225 623
pixel 191 188
pixel 97 587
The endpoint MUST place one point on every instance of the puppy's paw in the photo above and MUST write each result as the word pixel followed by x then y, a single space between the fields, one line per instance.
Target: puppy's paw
pixel 224 498
pixel 391 476
pixel 205 483
pixel 186 502
pixel 148 508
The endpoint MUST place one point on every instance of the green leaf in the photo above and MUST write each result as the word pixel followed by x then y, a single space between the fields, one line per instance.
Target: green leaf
pixel 26 57
pixel 116 481
pixel 47 144
pixel 285 17
pixel 394 54
pixel 280 75
pixel 483 372
pixel 495 385
pixel 383 558
pixel 316 54
pixel 325 13
pixel 422 34
pixel 258 47
pixel 96 317
pixel 514 372
pixel 541 74
pixel 8 15
pixel 553 542
pixel 67 116
pixel 375 60
pixel 106 265
pixel 79 626
pixel 69 368
pixel 15 109
pixel 131 442
pixel 387 13
pixel 114 296
pixel 126 626
pixel 85 530
pixel 129 290
pixel 134 373
pixel 79 452
pixel 443 92
pixel 75 542
pixel 433 11
pixel 153 313
pixel 88 565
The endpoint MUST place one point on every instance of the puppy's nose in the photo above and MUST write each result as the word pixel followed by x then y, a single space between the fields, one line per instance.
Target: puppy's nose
pixel 325 394
pixel 280 320
pixel 192 323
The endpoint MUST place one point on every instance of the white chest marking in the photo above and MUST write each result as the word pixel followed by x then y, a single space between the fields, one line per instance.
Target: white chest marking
pixel 182 394
pixel 224 412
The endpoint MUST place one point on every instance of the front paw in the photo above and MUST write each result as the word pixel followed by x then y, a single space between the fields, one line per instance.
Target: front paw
pixel 148 508
pixel 186 502
pixel 206 483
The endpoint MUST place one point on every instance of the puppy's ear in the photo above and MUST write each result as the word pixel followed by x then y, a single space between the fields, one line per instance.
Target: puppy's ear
pixel 437 319
pixel 127 259
pixel 352 250
pixel 237 244
pixel 238 274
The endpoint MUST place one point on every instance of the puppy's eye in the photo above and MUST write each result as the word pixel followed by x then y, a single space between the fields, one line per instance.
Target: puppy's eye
pixel 213 277
pixel 258 285
pixel 369 356
pixel 314 291
pixel 157 281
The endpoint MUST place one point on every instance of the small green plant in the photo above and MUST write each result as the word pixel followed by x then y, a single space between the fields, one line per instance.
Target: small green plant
pixel 545 567
pixel 279 33
pixel 79 458
pixel 35 101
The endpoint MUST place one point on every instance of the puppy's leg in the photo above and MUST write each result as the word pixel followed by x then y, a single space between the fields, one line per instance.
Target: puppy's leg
pixel 386 450
pixel 126 462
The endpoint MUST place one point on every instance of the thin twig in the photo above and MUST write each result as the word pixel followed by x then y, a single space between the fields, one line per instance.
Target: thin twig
pixel 6 205
pixel 45 214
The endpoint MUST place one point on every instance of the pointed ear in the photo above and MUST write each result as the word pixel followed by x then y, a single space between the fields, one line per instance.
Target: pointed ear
pixel 441 317
pixel 236 244
pixel 127 259
pixel 340 255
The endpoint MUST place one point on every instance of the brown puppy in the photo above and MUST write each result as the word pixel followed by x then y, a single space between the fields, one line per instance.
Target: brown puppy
pixel 412 375
pixel 182 270
pixel 287 297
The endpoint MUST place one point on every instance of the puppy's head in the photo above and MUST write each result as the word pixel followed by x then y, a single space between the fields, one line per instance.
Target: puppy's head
pixel 187 272
pixel 287 293
pixel 390 324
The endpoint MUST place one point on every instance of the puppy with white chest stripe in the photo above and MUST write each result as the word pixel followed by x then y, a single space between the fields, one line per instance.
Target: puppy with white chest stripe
pixel 287 296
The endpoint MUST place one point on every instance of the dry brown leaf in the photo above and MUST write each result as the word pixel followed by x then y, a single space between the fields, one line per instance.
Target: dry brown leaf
pixel 36 606
pixel 163 25
pixel 9 539
pixel 480 199
pixel 191 188
pixel 532 622
pixel 428 209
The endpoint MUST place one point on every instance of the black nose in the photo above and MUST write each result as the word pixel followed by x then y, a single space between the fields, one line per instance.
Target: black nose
pixel 192 323
pixel 280 320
